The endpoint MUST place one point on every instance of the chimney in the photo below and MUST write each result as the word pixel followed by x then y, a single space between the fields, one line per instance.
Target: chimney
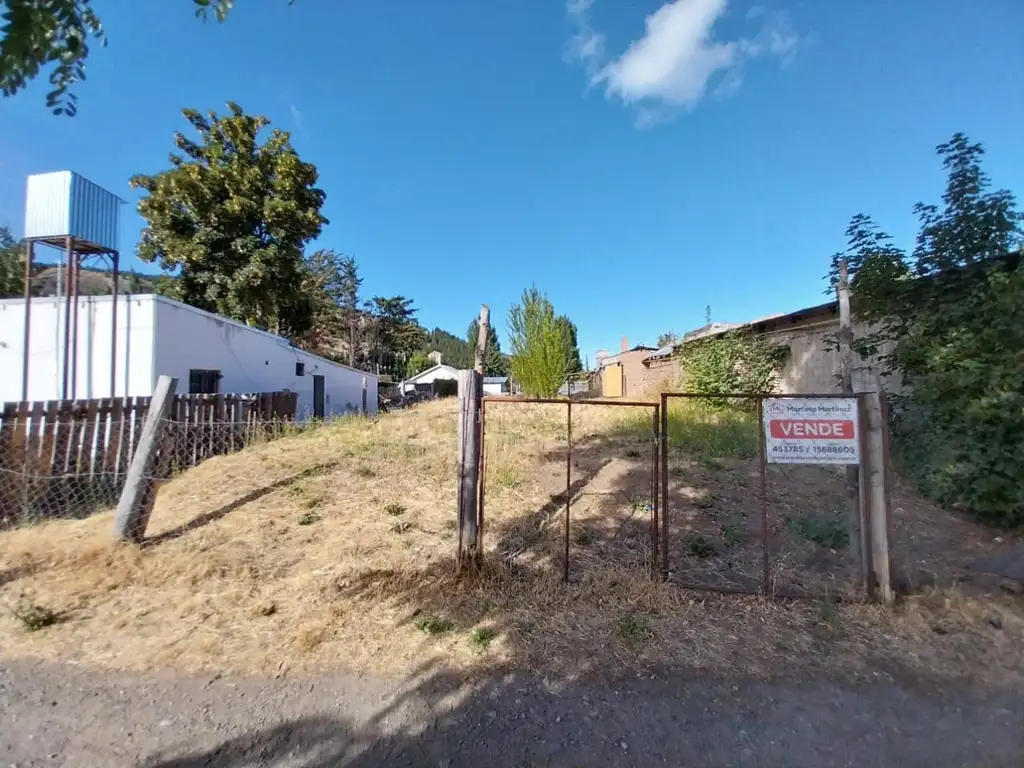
pixel 625 344
pixel 435 357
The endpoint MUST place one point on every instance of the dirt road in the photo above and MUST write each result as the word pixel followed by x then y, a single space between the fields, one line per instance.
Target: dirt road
pixel 66 716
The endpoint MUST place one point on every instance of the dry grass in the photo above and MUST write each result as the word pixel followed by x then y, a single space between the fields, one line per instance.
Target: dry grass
pixel 237 576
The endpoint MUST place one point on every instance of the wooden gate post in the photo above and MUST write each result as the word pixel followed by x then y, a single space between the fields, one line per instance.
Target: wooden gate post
pixel 468 448
pixel 137 497
pixel 471 387
pixel 874 495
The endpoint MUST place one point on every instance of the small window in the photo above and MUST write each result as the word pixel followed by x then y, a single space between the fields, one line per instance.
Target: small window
pixel 203 382
pixel 300 369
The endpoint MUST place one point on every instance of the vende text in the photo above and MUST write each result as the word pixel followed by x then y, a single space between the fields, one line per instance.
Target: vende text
pixel 789 429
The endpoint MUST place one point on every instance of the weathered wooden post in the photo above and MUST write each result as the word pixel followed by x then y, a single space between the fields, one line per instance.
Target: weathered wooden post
pixel 468 447
pixel 873 486
pixel 137 497
pixel 859 545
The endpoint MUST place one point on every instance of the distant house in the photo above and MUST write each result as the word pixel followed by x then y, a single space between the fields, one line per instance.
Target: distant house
pixel 623 375
pixel 811 367
pixel 424 380
pixel 496 385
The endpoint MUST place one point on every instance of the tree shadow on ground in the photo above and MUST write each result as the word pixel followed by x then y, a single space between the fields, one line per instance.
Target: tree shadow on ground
pixel 447 719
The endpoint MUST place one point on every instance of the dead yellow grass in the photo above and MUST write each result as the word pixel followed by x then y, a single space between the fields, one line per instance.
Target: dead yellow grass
pixel 329 548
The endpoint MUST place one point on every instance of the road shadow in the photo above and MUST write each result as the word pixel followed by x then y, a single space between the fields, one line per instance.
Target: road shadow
pixel 449 719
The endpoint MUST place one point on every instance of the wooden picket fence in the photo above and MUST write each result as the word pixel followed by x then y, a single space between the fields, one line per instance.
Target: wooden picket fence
pixel 69 457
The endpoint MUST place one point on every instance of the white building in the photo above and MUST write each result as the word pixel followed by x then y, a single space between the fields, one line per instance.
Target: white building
pixel 159 336
pixel 425 378
pixel 496 385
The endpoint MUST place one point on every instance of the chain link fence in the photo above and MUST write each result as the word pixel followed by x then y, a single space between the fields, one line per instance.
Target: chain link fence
pixel 71 469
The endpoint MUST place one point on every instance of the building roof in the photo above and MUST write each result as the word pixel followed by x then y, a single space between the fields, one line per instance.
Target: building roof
pixel 762 325
pixel 495 379
pixel 421 374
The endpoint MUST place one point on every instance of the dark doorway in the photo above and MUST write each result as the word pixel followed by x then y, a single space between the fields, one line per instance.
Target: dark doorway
pixel 318 396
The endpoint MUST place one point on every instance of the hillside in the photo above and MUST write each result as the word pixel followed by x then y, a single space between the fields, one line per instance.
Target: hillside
pixel 94 282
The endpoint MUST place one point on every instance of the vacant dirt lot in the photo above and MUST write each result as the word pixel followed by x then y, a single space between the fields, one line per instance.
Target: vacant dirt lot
pixel 334 548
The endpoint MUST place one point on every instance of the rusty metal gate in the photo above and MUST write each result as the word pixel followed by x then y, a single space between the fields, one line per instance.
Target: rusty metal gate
pixel 608 500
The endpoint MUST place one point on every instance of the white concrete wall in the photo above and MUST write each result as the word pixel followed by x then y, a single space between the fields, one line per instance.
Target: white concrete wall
pixel 492 389
pixel 134 374
pixel 251 360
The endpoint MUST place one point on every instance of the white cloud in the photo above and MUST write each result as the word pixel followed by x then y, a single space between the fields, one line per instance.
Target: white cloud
pixel 678 58
pixel 587 45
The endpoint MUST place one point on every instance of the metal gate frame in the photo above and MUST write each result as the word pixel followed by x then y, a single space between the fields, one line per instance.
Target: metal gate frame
pixel 657 421
pixel 759 398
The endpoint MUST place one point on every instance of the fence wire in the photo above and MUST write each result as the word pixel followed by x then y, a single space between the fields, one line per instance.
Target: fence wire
pixel 67 470
pixel 735 522
pixel 570 489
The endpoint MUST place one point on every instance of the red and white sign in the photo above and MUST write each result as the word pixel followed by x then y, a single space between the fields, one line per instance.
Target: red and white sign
pixel 812 430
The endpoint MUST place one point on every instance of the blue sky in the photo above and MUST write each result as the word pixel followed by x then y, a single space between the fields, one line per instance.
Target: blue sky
pixel 637 160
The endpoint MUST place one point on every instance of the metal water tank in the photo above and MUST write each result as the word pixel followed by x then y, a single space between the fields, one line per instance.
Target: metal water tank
pixel 63 203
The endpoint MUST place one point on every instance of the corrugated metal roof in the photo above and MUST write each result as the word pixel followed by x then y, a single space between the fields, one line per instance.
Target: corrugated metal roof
pixel 495 379
pixel 63 203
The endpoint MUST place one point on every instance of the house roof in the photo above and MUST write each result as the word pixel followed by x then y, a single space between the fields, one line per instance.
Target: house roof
pixel 495 379
pixel 762 324
pixel 447 368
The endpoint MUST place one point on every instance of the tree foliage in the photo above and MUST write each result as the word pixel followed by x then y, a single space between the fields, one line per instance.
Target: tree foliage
pixel 731 362
pixel 572 350
pixel 12 266
pixel 232 216
pixel 950 321
pixel 41 33
pixel 541 345
pixel 669 337
pixel 395 333
pixel 454 351
pixel 494 361
pixel 418 363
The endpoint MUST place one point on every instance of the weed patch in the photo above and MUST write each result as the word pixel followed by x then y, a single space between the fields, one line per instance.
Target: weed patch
pixel 633 631
pixel 435 625
pixel 394 509
pixel 309 518
pixel 401 526
pixel 32 615
pixel 481 637
pixel 831 533
pixel 732 535
pixel 699 546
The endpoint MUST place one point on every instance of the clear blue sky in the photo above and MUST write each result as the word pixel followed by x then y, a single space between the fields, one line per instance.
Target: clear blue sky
pixel 637 160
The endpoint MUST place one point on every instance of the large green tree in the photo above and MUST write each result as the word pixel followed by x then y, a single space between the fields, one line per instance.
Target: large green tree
pixel 396 333
pixel 950 321
pixel 494 361
pixel 540 343
pixel 232 216
pixel 43 33
pixel 12 266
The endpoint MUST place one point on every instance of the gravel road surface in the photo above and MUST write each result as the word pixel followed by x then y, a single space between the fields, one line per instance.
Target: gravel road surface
pixel 53 715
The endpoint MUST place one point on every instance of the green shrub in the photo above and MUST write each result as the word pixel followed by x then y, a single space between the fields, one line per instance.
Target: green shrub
pixel 730 363
pixel 829 532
